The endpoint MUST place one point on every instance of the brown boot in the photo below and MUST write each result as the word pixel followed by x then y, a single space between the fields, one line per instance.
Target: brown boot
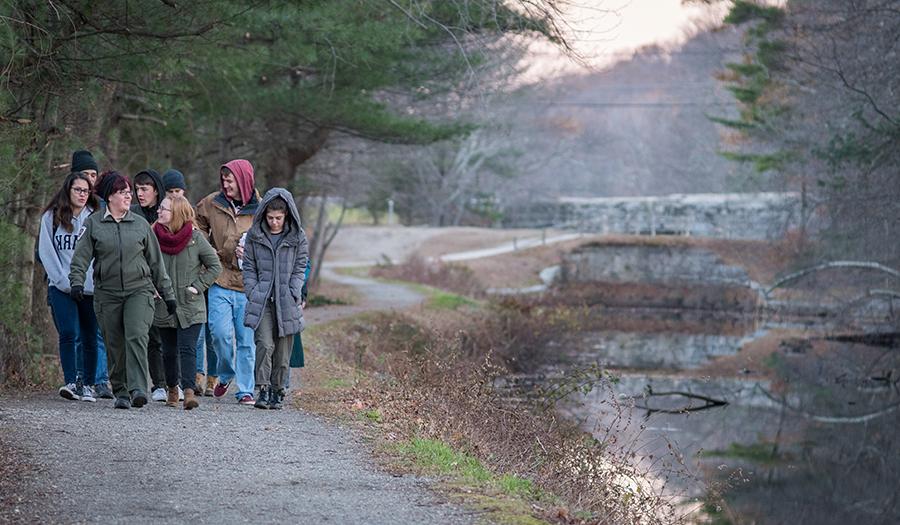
pixel 172 396
pixel 210 385
pixel 190 400
pixel 199 380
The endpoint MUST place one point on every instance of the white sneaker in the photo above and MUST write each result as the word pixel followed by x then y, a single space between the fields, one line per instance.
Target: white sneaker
pixel 68 392
pixel 180 394
pixel 87 394
pixel 158 394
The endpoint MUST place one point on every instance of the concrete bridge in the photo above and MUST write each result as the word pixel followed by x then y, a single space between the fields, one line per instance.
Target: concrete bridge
pixel 757 216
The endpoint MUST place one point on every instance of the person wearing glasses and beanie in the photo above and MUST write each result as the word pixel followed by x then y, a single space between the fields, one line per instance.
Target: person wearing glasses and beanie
pixel 128 272
pixel 83 162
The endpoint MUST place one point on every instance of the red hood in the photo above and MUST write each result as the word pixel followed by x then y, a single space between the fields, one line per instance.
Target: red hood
pixel 243 174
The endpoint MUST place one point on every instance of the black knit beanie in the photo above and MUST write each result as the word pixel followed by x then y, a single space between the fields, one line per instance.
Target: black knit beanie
pixel 173 179
pixel 83 160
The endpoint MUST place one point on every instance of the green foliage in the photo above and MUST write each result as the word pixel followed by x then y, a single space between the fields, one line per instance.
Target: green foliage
pixel 437 456
pixel 516 486
pixel 744 11
pixel 449 301
pixel 753 82
pixel 761 162
pixel 322 300
pixel 771 54
pixel 373 415
pixel 761 453
pixel 11 241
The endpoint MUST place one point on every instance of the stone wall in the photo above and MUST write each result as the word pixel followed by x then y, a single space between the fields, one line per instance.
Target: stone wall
pixel 650 263
pixel 757 216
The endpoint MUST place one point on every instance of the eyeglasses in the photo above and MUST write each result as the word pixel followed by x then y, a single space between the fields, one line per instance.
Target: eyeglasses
pixel 81 191
pixel 124 193
pixel 164 209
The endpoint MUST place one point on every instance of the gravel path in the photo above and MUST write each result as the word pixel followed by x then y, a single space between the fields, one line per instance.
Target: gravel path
pixel 221 463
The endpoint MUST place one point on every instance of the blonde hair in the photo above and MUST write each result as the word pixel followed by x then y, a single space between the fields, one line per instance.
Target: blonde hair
pixel 182 213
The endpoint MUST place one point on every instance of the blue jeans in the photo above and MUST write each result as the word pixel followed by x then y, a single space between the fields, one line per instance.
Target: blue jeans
pixel 71 319
pixel 102 375
pixel 233 342
pixel 205 347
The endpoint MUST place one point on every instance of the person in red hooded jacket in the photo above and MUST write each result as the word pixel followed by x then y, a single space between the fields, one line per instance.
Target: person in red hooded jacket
pixel 224 216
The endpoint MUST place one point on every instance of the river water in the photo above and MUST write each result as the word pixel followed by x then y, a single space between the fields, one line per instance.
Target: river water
pixel 786 425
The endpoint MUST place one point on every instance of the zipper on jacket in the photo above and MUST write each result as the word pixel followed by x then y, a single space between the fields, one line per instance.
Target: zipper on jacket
pixel 121 262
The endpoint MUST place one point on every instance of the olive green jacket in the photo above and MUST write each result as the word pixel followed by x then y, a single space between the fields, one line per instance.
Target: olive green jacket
pixel 126 256
pixel 196 265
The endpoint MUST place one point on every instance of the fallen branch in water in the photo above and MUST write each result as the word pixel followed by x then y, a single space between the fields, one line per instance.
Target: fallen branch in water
pixel 709 402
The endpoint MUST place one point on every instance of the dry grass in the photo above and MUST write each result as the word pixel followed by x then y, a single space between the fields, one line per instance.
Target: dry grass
pixel 456 278
pixel 433 376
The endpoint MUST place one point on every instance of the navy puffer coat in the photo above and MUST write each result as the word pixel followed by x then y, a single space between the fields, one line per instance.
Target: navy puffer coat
pixel 265 269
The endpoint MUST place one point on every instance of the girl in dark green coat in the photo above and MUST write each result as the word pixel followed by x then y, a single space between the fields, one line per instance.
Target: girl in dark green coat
pixel 193 266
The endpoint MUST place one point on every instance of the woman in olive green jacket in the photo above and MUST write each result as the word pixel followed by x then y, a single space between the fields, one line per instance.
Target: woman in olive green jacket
pixel 128 274
pixel 193 266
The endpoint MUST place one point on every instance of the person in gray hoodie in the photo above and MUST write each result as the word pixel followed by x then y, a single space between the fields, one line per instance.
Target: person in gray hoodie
pixel 150 191
pixel 276 254
pixel 62 224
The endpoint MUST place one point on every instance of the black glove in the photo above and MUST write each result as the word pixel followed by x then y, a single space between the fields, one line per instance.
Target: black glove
pixel 77 293
pixel 171 306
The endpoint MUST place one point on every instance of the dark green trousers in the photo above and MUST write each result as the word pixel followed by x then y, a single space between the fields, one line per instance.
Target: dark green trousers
pixel 125 320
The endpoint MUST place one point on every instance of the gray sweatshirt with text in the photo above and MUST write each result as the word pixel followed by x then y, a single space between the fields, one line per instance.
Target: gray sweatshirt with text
pixel 56 248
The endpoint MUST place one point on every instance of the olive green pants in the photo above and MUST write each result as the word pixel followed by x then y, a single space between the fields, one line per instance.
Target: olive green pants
pixel 273 353
pixel 125 320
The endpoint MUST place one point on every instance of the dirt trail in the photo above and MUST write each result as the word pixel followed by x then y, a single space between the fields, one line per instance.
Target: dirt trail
pixel 221 463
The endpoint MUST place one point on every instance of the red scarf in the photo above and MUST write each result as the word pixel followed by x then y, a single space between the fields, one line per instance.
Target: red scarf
pixel 172 243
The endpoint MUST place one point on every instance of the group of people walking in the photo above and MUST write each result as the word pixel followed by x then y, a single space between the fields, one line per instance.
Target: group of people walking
pixel 144 273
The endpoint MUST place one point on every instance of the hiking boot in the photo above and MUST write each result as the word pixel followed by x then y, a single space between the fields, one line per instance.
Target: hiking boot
pixel 220 389
pixel 198 383
pixel 210 385
pixel 102 391
pixel 68 391
pixel 190 400
pixel 123 403
pixel 263 400
pixel 158 394
pixel 246 399
pixel 172 397
pixel 138 398
pixel 87 394
pixel 276 399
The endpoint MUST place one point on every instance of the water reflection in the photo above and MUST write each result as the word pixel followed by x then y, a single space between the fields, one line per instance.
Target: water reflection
pixel 793 426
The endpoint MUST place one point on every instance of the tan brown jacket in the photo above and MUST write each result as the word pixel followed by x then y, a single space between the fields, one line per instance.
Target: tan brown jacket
pixel 223 226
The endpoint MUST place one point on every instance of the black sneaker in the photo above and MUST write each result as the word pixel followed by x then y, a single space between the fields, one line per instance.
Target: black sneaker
pixel 123 402
pixel 138 398
pixel 262 400
pixel 102 391
pixel 68 391
pixel 276 399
